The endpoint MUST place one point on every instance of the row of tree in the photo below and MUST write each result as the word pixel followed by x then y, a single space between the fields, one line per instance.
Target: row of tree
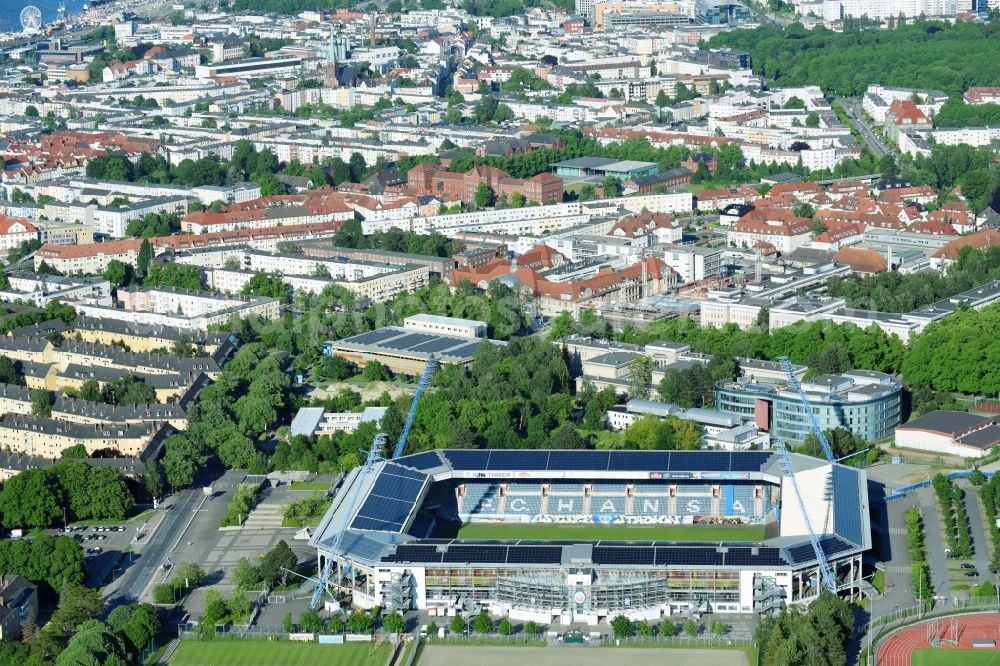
pixel 43 497
pixel 989 492
pixel 951 501
pixel 919 567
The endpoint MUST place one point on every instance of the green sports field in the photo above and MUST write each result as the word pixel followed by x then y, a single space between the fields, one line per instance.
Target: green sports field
pixel 952 657
pixel 550 532
pixel 223 652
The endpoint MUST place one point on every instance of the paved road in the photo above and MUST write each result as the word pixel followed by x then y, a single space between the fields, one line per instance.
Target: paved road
pixel 150 555
pixel 853 109
pixel 980 540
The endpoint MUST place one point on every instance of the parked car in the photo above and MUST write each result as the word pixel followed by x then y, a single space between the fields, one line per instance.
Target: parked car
pixel 966 565
pixel 972 574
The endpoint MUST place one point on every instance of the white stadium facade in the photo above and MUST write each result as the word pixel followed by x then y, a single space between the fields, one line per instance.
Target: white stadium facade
pixel 390 557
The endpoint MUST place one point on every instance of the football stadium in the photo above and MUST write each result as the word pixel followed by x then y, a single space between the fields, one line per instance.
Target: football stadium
pixel 583 536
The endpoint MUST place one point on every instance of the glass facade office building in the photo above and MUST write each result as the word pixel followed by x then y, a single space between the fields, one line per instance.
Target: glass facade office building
pixel 866 403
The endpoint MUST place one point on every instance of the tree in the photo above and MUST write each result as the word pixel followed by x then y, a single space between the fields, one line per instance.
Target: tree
pixel 31 500
pixel 887 166
pixel 118 273
pixel 246 575
pixel 644 629
pixel 611 186
pixel 458 625
pixel 505 628
pixel 717 628
pixel 182 460
pixel 376 372
pixel 275 562
pixel 310 621
pixel 692 628
pixel 668 628
pixel 394 623
pixel 288 624
pixel 77 604
pixel 483 624
pixel 8 372
pixel 41 403
pixel 622 626
pixel 484 195
pixel 640 375
pixel 357 166
pixel 812 120
pixel 262 284
pixel 90 391
pixel 145 255
pixel 531 628
pixel 182 346
pixel 566 436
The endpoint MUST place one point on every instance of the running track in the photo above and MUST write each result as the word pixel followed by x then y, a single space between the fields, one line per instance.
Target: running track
pixel 896 650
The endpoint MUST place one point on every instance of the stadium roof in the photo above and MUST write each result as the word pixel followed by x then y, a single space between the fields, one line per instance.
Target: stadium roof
pixel 391 497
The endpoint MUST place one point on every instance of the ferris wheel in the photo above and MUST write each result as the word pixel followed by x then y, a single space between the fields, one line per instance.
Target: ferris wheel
pixel 31 19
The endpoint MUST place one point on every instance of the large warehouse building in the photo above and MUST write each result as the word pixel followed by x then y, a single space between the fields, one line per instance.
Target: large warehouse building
pixel 394 552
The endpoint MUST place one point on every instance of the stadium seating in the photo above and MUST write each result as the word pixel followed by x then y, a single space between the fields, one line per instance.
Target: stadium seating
pixel 659 501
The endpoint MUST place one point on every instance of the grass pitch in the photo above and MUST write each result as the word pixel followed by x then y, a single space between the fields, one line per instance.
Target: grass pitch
pixel 226 652
pixel 952 657
pixel 550 532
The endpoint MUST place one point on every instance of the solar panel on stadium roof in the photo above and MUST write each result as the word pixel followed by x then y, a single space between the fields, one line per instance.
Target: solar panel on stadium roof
pixel 396 487
pixel 399 470
pixel 749 461
pixel 847 508
pixel 746 557
pixel 578 460
pixel 476 554
pixel 697 461
pixel 801 553
pixel 375 525
pixel 701 557
pixel 424 460
pixel 515 460
pixel 832 545
pixel 466 460
pixel 386 509
pixel 622 555
pixel 639 460
pixel 408 553
pixel 361 546
pixel 534 555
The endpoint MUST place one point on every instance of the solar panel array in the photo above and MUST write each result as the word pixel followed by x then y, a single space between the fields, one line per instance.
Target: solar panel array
pixel 847 507
pixel 608 461
pixel 624 555
pixel 479 553
pixel 391 499
pixel 831 546
pixel 425 460
pixel 398 339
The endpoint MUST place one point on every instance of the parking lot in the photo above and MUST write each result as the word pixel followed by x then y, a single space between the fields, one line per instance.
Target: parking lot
pixel 104 546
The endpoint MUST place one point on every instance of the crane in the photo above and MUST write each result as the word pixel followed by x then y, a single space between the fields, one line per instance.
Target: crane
pixel 794 382
pixel 425 381
pixel 826 572
pixel 373 457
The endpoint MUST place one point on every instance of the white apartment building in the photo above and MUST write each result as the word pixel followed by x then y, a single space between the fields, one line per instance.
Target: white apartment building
pixel 466 328
pixel 884 9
